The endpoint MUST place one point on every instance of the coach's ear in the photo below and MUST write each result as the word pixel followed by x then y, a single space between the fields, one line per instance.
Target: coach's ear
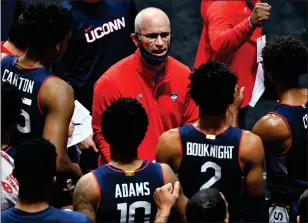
pixel 135 39
pixel 54 179
pixel 298 219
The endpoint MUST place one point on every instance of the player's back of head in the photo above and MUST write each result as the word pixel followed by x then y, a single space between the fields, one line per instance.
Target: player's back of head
pixel 124 126
pixel 16 35
pixel 11 104
pixel 212 87
pixel 46 25
pixel 285 60
pixel 207 205
pixel 303 207
pixel 35 168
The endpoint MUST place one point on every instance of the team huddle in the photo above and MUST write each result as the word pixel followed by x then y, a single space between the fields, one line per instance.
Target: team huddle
pixel 206 168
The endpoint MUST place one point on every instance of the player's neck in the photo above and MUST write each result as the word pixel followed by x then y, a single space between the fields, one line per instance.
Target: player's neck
pixel 292 96
pixel 210 124
pixel 31 60
pixel 13 49
pixel 31 207
pixel 136 164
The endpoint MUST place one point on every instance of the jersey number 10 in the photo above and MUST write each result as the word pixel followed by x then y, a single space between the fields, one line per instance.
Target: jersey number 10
pixel 132 210
pixel 27 126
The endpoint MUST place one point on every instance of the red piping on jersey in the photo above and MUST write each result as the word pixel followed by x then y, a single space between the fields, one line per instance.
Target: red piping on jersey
pixel 38 94
pixel 162 172
pixel 285 121
pixel 6 157
pixel 7 148
pixel 122 171
pixel 217 134
pixel 181 152
pixel 99 191
pixel 238 154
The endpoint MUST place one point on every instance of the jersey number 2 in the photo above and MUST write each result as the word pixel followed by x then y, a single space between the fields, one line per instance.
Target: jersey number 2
pixel 132 210
pixel 214 178
pixel 27 126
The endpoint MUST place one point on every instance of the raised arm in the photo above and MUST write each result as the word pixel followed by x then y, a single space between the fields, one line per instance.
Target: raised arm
pixel 169 149
pixel 57 99
pixel 104 94
pixel 86 196
pixel 170 177
pixel 252 162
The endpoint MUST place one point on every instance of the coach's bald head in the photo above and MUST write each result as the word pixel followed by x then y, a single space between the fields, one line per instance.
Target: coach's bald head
pixel 151 17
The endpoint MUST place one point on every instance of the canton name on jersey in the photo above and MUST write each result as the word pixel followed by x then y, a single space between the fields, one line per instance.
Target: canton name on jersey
pixel 22 84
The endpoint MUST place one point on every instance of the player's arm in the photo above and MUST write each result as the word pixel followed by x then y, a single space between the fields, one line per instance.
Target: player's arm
pixel 57 99
pixel 169 149
pixel 251 159
pixel 273 132
pixel 105 92
pixel 86 196
pixel 170 177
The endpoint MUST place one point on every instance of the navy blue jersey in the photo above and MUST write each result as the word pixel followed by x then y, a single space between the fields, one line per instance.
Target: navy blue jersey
pixel 29 81
pixel 212 161
pixel 51 214
pixel 100 38
pixel 287 172
pixel 128 197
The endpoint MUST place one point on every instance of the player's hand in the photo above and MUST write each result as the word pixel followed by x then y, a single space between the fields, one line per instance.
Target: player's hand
pixel 238 100
pixel 88 143
pixel 71 129
pixel 261 12
pixel 166 196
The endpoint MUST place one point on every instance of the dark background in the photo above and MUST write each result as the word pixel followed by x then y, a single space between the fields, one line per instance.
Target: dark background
pixel 289 17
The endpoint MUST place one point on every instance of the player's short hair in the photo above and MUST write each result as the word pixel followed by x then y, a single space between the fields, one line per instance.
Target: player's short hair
pixel 16 35
pixel 212 87
pixel 286 59
pixel 35 168
pixel 45 24
pixel 124 126
pixel 303 213
pixel 9 111
pixel 206 205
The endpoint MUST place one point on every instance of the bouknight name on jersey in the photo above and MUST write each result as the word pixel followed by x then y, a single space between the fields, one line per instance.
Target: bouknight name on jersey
pixel 22 84
pixel 104 30
pixel 216 151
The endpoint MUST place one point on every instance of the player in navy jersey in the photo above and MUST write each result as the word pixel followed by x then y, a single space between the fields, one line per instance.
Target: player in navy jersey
pixel 210 152
pixel 122 191
pixel 35 170
pixel 48 102
pixel 284 131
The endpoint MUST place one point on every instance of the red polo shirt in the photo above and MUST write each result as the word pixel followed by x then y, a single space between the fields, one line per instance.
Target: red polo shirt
pixel 227 37
pixel 166 103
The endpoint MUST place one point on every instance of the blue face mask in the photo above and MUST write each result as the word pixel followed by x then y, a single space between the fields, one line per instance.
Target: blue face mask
pixel 151 59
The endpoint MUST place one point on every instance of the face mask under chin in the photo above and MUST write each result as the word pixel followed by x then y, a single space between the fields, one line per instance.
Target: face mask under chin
pixel 151 59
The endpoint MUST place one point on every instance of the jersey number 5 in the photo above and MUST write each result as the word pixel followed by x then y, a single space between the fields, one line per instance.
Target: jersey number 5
pixel 214 178
pixel 27 126
pixel 132 210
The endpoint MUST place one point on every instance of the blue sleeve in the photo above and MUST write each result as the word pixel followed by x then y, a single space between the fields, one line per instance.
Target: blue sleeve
pixel 88 220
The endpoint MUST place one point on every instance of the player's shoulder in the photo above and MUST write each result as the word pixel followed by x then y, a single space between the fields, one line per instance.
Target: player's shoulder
pixel 250 138
pixel 66 4
pixel 271 125
pixel 56 85
pixel 251 147
pixel 170 135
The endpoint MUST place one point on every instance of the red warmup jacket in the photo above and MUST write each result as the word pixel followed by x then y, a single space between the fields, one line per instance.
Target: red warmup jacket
pixel 227 37
pixel 166 103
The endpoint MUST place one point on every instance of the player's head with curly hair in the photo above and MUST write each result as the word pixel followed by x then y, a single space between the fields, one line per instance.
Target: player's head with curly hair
pixel 212 87
pixel 46 29
pixel 284 61
pixel 124 126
